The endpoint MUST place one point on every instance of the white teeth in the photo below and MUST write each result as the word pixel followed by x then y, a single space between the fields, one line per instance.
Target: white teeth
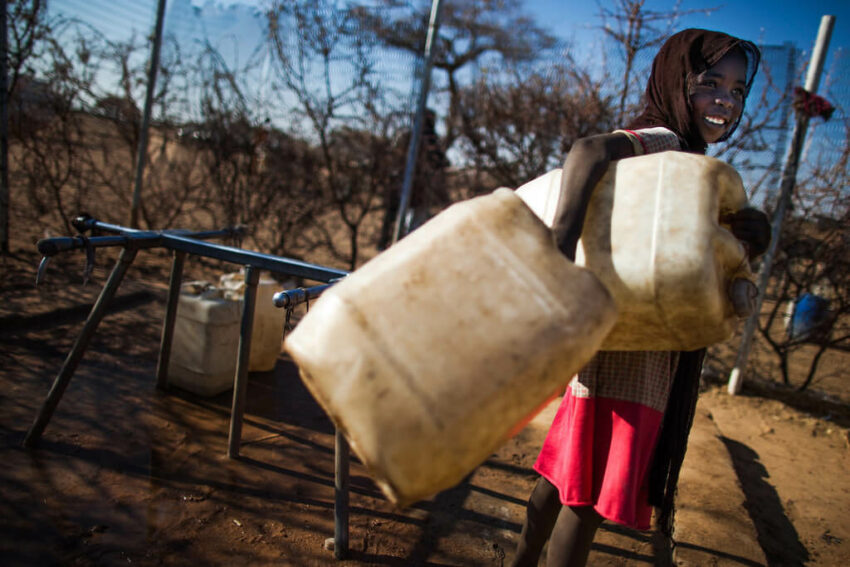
pixel 714 120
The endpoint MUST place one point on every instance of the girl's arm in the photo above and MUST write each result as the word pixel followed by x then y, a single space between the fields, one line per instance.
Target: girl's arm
pixel 585 165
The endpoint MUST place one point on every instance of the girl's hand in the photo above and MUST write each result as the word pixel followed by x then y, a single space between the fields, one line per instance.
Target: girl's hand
pixel 752 228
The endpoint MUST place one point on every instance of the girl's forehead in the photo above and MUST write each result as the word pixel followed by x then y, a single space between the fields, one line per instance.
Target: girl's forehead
pixel 733 65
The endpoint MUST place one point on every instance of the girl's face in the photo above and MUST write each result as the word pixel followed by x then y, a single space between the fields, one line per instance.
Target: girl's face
pixel 717 96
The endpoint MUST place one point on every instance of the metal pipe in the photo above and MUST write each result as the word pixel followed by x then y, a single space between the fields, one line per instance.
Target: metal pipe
pixel 290 298
pixel 413 147
pixel 142 149
pixel 73 360
pixel 228 232
pixel 54 245
pixel 341 467
pixel 188 243
pixel 249 258
pixel 240 384
pixel 789 179
pixel 176 277
pixel 86 223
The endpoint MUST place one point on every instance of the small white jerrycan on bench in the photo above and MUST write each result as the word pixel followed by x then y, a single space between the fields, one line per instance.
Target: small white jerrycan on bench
pixel 652 235
pixel 435 352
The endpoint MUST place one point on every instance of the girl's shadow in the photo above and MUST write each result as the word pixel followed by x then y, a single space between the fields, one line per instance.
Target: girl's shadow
pixel 776 534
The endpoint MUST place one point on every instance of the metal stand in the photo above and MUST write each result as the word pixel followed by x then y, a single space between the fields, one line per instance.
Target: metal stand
pixel 342 452
pixel 174 281
pixel 183 242
pixel 240 386
pixel 341 462
pixel 73 360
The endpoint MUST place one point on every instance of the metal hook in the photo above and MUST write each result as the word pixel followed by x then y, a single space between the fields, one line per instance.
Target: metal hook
pixel 89 259
pixel 42 270
pixel 287 325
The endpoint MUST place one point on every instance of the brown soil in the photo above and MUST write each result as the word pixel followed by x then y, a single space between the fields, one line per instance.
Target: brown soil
pixel 125 474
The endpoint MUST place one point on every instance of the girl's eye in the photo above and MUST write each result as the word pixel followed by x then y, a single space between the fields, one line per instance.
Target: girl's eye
pixel 739 93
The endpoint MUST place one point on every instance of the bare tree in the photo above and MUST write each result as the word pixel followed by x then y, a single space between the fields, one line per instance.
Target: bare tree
pixel 470 32
pixel 327 65
pixel 113 116
pixel 634 29
pixel 47 130
pixel 25 22
pixel 522 124
pixel 814 258
pixel 28 29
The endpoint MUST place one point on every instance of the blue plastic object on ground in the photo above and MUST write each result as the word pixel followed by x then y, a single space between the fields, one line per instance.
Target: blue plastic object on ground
pixel 810 312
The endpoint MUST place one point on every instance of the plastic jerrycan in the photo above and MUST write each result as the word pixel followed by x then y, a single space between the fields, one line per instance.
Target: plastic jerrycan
pixel 652 235
pixel 267 331
pixel 433 353
pixel 205 340
pixel 205 343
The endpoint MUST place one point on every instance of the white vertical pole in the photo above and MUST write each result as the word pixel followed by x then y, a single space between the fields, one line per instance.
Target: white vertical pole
pixel 789 178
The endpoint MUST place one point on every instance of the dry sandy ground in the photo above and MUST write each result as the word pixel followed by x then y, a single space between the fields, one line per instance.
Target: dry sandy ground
pixel 128 475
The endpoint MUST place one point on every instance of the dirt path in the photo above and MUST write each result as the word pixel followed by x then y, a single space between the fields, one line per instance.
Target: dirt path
pixel 128 475
pixel 793 469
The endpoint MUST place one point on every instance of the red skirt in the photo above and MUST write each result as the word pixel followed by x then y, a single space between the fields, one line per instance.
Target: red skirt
pixel 599 448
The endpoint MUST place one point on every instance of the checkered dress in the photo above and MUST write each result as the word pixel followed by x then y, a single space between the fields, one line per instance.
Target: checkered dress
pixel 599 449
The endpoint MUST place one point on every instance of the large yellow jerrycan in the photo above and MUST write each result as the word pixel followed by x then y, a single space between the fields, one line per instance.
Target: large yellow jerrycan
pixel 433 353
pixel 652 235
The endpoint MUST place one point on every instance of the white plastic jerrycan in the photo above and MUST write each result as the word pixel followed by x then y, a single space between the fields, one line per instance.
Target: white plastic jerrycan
pixel 205 343
pixel 433 353
pixel 652 235
pixel 267 331
pixel 205 340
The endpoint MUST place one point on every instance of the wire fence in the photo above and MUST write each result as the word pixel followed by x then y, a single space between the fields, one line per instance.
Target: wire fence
pixel 294 116
pixel 300 91
pixel 238 32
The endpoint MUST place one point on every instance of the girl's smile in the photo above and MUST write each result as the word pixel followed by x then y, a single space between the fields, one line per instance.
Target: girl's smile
pixel 717 96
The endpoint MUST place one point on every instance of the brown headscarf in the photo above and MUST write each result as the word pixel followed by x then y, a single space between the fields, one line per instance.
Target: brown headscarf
pixel 682 57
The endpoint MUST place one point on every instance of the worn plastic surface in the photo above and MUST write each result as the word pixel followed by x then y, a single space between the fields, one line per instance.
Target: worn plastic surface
pixel 267 333
pixel 205 341
pixel 432 354
pixel 652 235
pixel 206 334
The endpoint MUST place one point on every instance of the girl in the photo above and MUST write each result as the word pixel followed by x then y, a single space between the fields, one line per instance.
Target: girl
pixel 617 442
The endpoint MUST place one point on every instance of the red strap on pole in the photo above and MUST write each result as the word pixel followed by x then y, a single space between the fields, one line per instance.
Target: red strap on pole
pixel 811 104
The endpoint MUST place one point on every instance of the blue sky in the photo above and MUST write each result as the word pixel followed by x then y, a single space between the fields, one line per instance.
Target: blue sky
pixel 767 22
pixel 762 21
pixel 230 26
